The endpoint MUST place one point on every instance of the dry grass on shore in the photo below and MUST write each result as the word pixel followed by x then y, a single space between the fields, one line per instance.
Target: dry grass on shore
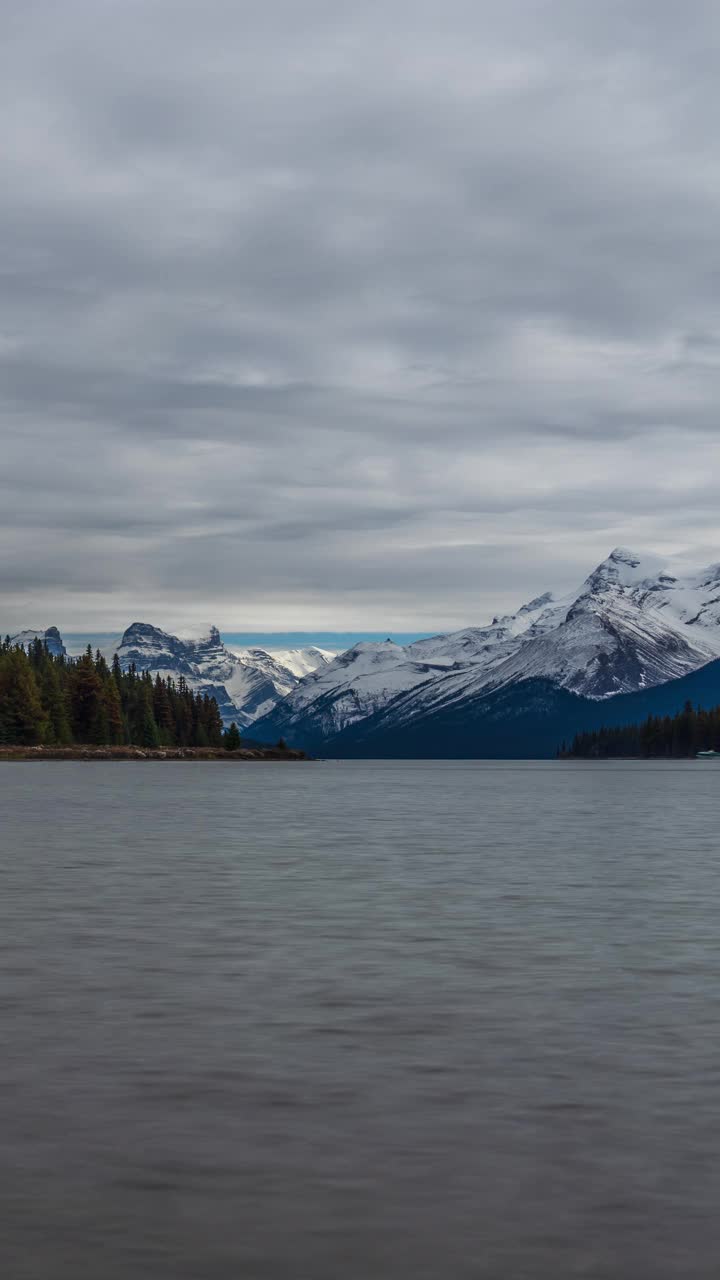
pixel 19 753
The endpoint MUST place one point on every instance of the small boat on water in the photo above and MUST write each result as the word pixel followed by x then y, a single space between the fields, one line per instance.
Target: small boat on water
pixel 707 755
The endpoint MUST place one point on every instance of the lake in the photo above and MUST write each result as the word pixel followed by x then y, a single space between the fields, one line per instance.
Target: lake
pixel 360 1021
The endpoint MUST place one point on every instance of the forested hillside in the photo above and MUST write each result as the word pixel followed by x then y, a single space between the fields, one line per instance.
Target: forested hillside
pixel 55 700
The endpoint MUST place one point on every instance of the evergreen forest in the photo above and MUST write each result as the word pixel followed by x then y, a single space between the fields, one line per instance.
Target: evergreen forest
pixel 664 737
pixel 60 701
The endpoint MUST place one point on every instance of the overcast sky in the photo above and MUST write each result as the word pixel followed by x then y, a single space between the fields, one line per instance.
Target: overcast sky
pixel 352 316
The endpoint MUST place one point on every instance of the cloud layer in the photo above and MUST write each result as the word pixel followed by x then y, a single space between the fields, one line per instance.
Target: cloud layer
pixel 382 315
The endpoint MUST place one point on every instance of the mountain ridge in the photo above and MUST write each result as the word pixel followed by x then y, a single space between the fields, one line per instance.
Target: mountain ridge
pixel 630 625
pixel 527 720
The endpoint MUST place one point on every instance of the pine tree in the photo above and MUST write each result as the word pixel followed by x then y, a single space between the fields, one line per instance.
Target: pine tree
pixel 55 704
pixel 162 711
pixel 113 711
pixel 22 718
pixel 231 738
pixel 86 701
pixel 149 736
pixel 212 721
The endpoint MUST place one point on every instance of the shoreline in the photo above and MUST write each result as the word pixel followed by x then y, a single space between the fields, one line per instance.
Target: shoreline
pixel 90 753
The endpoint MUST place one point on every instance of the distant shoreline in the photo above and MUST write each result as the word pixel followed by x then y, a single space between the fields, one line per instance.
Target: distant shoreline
pixel 90 753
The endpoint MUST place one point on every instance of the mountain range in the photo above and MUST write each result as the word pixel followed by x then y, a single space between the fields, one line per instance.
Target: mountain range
pixel 246 683
pixel 512 686
pixel 632 636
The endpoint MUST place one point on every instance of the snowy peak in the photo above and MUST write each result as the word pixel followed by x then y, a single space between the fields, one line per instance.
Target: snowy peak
pixel 50 636
pixel 536 605
pixel 623 568
pixel 147 648
pixel 208 641
pixel 367 654
pixel 300 662
pixel 151 642
pixel 623 557
pixel 627 628
pixel 285 666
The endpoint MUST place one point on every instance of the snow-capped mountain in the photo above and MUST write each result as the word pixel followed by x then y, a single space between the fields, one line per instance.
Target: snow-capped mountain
pixel 246 683
pixel 355 685
pixel 277 663
pixel 632 624
pixel 51 637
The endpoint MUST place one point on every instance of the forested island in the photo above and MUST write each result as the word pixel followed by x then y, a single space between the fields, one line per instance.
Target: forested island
pixel 659 737
pixel 58 707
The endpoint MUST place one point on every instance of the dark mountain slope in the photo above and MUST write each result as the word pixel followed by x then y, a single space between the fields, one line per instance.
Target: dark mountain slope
pixel 529 719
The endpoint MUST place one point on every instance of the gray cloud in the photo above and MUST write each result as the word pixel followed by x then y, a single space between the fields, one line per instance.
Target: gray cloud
pixel 382 316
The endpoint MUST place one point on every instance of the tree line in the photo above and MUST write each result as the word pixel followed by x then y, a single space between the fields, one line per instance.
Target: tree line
pixel 54 700
pixel 691 730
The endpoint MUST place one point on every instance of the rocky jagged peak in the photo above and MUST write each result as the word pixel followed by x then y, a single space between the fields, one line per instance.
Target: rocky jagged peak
pixel 50 636
pixel 623 555
pixel 141 632
pixel 538 603
pixel 148 648
pixel 203 643
pixel 623 568
pixel 54 642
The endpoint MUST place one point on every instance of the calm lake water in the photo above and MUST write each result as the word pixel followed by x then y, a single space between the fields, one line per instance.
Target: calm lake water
pixel 360 1021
